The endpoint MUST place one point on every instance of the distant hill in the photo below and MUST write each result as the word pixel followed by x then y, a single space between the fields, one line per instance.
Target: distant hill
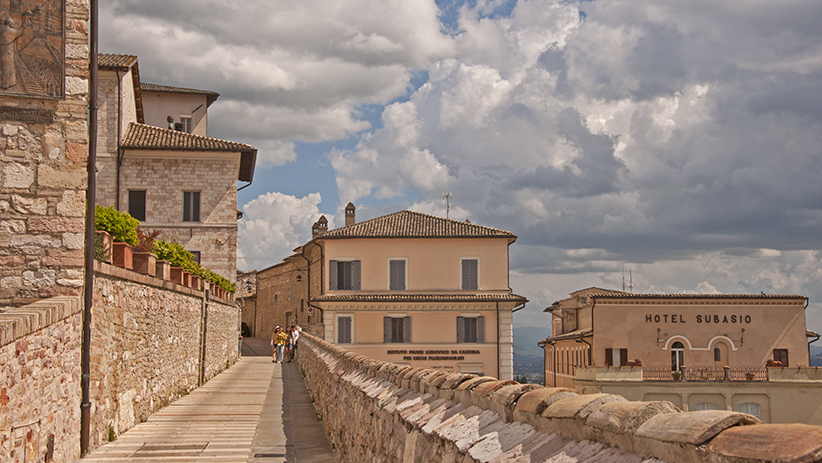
pixel 816 355
pixel 528 356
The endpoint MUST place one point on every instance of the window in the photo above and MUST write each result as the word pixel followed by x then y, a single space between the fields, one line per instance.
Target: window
pixel 396 274
pixel 780 355
pixel 470 274
pixel 186 120
pixel 396 329
pixel 196 255
pixel 750 408
pixel 275 297
pixel 470 329
pixel 677 356
pixel 614 357
pixel 191 206
pixel 717 354
pixel 705 406
pixel 137 204
pixel 344 275
pixel 343 330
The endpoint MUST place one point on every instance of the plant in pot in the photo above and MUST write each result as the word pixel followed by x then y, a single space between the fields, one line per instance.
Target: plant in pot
pixel 144 260
pixel 123 229
pixel 676 375
pixel 180 259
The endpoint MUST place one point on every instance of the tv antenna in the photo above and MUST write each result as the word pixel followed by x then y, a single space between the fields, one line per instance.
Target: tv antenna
pixel 630 285
pixel 447 198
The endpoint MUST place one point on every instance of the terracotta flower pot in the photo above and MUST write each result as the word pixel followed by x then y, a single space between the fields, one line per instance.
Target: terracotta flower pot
pixel 145 263
pixel 121 256
pixel 195 282
pixel 186 279
pixel 176 275
pixel 163 270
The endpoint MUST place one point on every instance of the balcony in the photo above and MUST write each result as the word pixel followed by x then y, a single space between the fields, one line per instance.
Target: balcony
pixel 705 374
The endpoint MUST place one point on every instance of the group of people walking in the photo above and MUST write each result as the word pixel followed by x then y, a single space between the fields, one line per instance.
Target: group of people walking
pixel 284 343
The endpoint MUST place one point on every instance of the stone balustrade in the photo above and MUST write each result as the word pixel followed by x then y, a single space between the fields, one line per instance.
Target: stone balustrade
pixel 380 411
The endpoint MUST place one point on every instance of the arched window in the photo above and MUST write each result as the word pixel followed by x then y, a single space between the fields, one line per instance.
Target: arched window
pixel 750 408
pixel 705 406
pixel 677 356
pixel 717 354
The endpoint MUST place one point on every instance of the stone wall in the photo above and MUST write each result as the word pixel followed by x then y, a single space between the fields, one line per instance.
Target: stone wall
pixel 380 411
pixel 147 338
pixel 40 380
pixel 43 180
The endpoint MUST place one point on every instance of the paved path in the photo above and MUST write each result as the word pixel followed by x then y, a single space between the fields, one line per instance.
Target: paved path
pixel 256 411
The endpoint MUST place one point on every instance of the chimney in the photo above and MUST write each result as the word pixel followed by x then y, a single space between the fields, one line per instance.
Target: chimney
pixel 349 215
pixel 320 227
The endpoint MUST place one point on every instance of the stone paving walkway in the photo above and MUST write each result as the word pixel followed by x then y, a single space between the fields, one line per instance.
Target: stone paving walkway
pixel 256 411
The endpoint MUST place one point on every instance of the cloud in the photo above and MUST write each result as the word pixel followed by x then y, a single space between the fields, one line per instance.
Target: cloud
pixel 273 225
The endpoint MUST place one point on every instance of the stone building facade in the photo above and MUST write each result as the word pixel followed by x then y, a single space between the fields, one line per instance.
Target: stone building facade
pixel 43 151
pixel 180 183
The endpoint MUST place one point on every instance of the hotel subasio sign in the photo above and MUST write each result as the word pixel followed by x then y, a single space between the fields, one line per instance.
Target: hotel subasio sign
pixel 715 319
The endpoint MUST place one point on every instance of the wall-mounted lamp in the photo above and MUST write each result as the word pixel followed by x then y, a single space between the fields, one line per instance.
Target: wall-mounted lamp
pixel 657 336
pixel 742 338
pixel 299 276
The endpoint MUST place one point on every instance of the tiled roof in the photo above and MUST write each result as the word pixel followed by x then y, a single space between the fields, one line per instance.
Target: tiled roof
pixel 141 136
pixel 410 224
pixel 147 137
pixel 400 297
pixel 570 335
pixel 106 60
pixel 624 295
pixel 147 87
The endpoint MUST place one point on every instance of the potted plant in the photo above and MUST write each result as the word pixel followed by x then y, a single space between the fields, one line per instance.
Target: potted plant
pixel 123 229
pixel 749 376
pixel 144 260
pixel 676 375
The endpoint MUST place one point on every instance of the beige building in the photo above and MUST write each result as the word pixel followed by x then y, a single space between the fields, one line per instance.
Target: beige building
pixel 186 107
pixel 180 183
pixel 699 351
pixel 407 287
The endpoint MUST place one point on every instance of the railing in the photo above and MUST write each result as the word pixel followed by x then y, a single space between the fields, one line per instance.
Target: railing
pixel 705 374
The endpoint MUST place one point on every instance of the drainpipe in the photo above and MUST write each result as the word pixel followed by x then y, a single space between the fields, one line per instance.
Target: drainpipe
pixel 553 359
pixel 88 277
pixel 119 149
pixel 203 332
pixel 499 331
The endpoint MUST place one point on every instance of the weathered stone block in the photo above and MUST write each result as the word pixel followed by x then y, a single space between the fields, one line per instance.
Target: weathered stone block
pixel 61 177
pixel 72 204
pixel 17 175
pixel 794 443
pixel 693 427
pixel 29 204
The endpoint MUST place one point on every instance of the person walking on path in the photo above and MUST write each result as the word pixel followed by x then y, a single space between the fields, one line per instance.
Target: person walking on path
pixel 280 339
pixel 295 336
pixel 290 342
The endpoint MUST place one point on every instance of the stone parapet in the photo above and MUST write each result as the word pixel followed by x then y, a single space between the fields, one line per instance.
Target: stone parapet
pixel 380 411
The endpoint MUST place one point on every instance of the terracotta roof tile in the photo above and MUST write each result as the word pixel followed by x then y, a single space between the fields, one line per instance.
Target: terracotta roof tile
pixel 410 224
pixel 147 137
pixel 106 60
pixel 395 297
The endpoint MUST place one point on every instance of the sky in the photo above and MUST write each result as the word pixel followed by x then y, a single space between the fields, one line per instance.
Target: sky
pixel 676 142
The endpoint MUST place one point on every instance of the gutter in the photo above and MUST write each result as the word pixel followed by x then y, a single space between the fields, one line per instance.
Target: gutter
pixel 91 199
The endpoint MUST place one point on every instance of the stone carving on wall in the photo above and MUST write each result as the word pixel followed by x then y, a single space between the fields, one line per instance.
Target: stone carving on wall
pixel 32 48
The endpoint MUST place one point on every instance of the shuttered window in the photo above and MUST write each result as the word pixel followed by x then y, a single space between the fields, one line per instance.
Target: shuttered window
pixel 781 355
pixel 396 275
pixel 343 330
pixel 616 357
pixel 470 274
pixel 470 329
pixel 344 275
pixel 396 329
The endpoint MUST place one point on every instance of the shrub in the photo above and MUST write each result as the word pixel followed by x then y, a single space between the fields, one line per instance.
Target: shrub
pixel 179 257
pixel 120 225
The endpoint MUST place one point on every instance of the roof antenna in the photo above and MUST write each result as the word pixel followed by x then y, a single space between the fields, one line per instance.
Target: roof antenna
pixel 447 198
pixel 630 285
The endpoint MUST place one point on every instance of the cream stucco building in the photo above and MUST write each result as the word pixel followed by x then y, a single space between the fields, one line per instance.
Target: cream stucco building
pixel 406 287
pixel 745 352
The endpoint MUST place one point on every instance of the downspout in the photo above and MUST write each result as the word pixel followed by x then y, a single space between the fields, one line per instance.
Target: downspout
pixel 203 332
pixel 119 150
pixel 307 276
pixel 553 360
pixel 88 277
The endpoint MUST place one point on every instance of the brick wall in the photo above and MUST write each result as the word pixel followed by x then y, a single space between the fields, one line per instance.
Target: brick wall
pixel 380 411
pixel 43 182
